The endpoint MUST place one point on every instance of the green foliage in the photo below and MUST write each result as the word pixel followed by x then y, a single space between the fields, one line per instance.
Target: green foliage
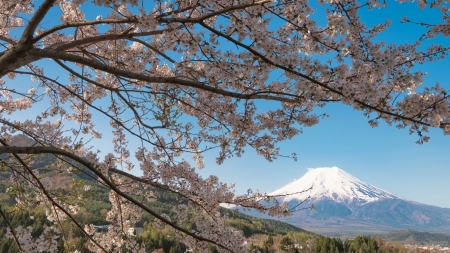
pixel 361 243
pixel 155 238
pixel 329 245
pixel 287 245
pixel 269 242
pixel 212 248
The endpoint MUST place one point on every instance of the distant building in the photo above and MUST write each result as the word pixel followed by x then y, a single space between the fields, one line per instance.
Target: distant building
pixel 135 231
pixel 130 231
pixel 101 229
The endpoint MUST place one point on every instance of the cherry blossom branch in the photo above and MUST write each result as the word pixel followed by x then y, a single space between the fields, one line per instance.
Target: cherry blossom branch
pixel 213 14
pixel 304 29
pixel 63 46
pixel 226 93
pixel 81 24
pixel 361 103
pixel 165 14
pixel 21 93
pixel 44 53
pixel 53 150
pixel 162 187
pixel 265 59
pixel 115 91
pixel 91 40
pixel 112 70
pixel 153 49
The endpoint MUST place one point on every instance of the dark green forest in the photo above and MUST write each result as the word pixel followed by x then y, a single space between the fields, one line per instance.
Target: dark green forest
pixel 417 237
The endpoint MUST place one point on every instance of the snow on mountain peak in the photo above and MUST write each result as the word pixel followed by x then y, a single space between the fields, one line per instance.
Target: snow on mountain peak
pixel 332 183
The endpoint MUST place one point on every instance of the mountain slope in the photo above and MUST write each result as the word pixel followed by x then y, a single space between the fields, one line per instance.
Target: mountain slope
pixel 345 206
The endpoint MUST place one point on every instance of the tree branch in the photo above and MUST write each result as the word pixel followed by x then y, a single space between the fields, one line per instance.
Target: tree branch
pixel 80 24
pixel 210 15
pixel 10 41
pixel 90 40
pixel 27 34
pixel 153 49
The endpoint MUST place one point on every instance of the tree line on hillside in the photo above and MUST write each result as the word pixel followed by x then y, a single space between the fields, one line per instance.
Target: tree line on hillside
pixel 308 243
pixel 419 237
pixel 361 244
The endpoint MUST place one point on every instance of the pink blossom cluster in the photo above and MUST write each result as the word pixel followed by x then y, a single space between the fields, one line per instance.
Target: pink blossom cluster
pixel 46 242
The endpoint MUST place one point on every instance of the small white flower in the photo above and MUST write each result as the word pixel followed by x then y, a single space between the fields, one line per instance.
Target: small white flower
pixel 345 51
pixel 32 91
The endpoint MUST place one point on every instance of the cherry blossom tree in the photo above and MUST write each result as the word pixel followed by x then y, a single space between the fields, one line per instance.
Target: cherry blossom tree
pixel 178 78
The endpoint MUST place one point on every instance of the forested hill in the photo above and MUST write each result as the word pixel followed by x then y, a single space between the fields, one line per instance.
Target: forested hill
pixel 417 237
pixel 43 163
pixel 99 201
pixel 250 225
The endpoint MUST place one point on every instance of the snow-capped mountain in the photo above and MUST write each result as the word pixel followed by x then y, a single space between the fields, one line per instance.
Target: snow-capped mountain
pixel 332 183
pixel 347 206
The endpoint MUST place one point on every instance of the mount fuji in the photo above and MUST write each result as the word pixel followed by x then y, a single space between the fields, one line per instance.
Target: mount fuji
pixel 333 184
pixel 345 206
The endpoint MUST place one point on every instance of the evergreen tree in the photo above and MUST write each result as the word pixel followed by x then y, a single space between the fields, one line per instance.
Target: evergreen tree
pixel 287 245
pixel 269 241
pixel 364 244
pixel 329 245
